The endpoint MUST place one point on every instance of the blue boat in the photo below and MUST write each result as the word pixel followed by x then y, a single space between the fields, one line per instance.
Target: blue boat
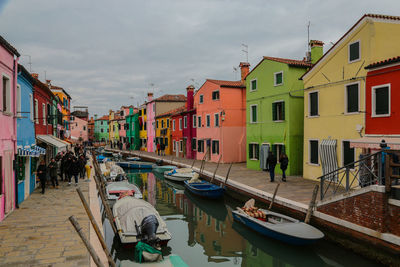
pixel 135 164
pixel 279 226
pixel 205 189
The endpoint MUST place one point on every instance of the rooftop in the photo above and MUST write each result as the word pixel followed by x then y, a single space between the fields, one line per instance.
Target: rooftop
pixel 8 46
pixel 171 112
pixel 171 98
pixel 104 118
pixel 291 62
pixel 383 62
pixel 223 83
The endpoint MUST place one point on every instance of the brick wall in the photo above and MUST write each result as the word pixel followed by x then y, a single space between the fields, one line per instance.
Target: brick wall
pixel 393 220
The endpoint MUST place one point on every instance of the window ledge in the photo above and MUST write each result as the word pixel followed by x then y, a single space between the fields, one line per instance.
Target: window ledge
pixel 255 90
pixel 276 85
pixel 355 60
pixel 314 116
pixel 279 121
pixel 313 164
pixel 7 113
pixel 380 116
pixel 351 113
pixel 254 159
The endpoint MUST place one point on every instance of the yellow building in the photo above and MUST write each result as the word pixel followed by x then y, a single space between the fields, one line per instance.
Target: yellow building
pixel 334 94
pixel 113 127
pixel 143 128
pixel 65 109
pixel 163 131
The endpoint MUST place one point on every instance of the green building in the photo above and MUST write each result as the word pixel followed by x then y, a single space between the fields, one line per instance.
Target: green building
pixel 101 129
pixel 274 111
pixel 132 129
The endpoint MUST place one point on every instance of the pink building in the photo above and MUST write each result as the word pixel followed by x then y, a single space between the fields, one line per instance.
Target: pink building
pixel 79 129
pixel 221 120
pixel 8 129
pixel 123 112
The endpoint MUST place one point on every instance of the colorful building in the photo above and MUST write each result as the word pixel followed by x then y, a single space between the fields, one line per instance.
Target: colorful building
pixel 221 119
pixel 274 108
pixel 176 132
pixel 143 127
pixel 132 129
pixel 91 130
pixel 8 131
pixel 113 127
pixel 101 129
pixel 65 99
pixel 158 106
pixel 26 160
pixel 339 78
pixel 79 129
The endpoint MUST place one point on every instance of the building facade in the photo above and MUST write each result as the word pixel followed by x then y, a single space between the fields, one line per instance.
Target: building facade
pixel 91 130
pixel 65 99
pixel 143 127
pixel 101 129
pixel 132 129
pixel 79 129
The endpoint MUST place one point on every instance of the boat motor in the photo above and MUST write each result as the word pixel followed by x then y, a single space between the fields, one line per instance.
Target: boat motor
pixel 159 162
pixel 148 230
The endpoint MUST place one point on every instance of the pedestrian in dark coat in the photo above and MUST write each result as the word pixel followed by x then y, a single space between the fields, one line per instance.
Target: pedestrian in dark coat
pixel 82 163
pixel 75 170
pixel 271 163
pixel 41 172
pixel 284 162
pixel 53 168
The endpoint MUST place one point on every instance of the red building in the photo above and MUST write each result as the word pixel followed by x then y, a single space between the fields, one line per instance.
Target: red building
pixel 43 101
pixel 177 132
pixel 189 124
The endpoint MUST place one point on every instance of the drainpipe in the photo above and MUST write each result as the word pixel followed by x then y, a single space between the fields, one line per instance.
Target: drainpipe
pixel 15 66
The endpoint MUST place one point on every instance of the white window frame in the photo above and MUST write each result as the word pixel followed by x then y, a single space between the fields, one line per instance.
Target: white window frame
pixel 201 99
pixel 342 152
pixel 8 110
pixel 208 121
pixel 199 122
pixel 173 125
pixel 359 51
pixel 44 113
pixel 212 97
pixel 373 104
pixel 309 104
pixel 194 118
pixel 346 100
pixel 277 152
pixel 309 152
pixel 275 73
pixel 251 82
pixel 185 122
pixel 18 111
pixel 173 146
pixel 253 158
pixel 31 107
pixel 216 120
pixel 251 113
pixel 180 123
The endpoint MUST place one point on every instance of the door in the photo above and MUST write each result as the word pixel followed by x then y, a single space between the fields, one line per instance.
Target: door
pixel 9 198
pixel 208 151
pixel 184 147
pixel 177 149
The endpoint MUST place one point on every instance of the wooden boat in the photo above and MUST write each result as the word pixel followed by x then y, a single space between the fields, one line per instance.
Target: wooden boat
pixel 129 213
pixel 133 159
pixel 205 189
pixel 115 190
pixel 280 227
pixel 135 164
pixel 180 175
pixel 164 168
pixel 168 261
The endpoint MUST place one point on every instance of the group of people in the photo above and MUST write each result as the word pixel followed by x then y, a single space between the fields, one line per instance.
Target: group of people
pixel 66 165
pixel 271 163
pixel 161 149
pixel 117 144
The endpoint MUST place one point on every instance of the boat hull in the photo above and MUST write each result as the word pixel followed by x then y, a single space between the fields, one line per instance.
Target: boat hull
pixel 135 165
pixel 205 189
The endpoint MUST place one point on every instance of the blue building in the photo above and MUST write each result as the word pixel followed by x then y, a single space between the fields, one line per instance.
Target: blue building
pixel 27 157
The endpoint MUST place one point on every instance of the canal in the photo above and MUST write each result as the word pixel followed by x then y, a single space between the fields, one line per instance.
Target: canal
pixel 204 233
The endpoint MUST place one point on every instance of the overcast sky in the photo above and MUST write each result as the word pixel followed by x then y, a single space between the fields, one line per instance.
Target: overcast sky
pixel 111 53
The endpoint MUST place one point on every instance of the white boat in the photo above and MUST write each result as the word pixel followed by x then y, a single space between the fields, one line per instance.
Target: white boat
pixel 180 175
pixel 133 159
pixel 130 217
pixel 115 190
pixel 163 168
pixel 168 261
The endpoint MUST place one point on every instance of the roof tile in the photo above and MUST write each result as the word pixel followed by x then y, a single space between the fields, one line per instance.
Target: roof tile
pixel 383 62
pixel 291 62
pixel 227 83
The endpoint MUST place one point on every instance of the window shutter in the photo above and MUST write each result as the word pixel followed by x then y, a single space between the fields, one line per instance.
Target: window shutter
pixel 274 149
pixel 257 151
pixel 250 151
pixel 283 110
pixel 274 111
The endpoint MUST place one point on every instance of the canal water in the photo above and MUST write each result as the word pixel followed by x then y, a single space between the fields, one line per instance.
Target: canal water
pixel 204 233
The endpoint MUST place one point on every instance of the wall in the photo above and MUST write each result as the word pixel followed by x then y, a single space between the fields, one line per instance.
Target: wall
pixel 151 131
pixel 41 127
pixel 79 129
pixel 177 134
pixel 189 133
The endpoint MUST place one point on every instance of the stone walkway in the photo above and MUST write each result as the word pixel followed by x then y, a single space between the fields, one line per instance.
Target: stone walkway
pixel 39 232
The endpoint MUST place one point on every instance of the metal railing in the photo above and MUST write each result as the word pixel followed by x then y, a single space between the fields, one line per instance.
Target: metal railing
pixel 366 171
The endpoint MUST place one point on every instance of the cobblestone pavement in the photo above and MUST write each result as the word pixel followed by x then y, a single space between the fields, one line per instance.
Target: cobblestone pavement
pixel 296 188
pixel 39 232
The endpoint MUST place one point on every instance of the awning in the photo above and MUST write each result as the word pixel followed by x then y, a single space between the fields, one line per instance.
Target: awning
pixel 27 152
pixel 38 149
pixel 374 142
pixel 53 141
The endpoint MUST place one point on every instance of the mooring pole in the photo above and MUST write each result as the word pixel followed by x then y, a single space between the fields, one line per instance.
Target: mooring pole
pixel 312 204
pixel 89 247
pixel 215 172
pixel 273 197
pixel 96 227
pixel 227 174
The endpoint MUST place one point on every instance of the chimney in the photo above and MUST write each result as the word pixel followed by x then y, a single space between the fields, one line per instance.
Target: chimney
pixel 48 82
pixel 317 50
pixel 244 70
pixel 35 75
pixel 95 116
pixel 149 96
pixel 189 97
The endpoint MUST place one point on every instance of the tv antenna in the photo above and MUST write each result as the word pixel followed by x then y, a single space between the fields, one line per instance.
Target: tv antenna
pixel 246 51
pixel 308 36
pixel 29 62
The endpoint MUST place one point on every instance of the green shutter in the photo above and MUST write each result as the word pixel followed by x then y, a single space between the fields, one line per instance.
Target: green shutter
pixel 283 110
pixel 250 151
pixel 257 148
pixel 274 111
pixel 274 149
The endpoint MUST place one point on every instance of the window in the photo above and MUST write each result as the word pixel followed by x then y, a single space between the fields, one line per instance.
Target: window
pixel 254 151
pixel 352 98
pixel 278 111
pixel 180 123
pixel 185 122
pixel 201 99
pixel 381 100
pixel 348 154
pixel 354 51
pixel 173 125
pixel 157 124
pixel 167 123
pixel 49 117
pixel 313 152
pixel 200 146
pixel 194 121
pixel 180 146
pixel 313 104
pixel 216 119
pixel 173 145
pixel 101 123
pixel 199 122
pixel 215 95
pixel 162 124
pixel 44 114
pixel 278 78
pixel 215 147
pixel 253 113
pixel 102 130
pixel 18 100
pixel 166 141
pixel 208 120
pixel 253 85
pixel 278 149
pixel 194 144
pixel 6 94
pixel 31 106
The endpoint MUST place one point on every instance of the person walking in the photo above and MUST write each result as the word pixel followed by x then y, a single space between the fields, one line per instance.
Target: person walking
pixel 41 173
pixel 75 170
pixel 271 163
pixel 82 163
pixel 158 149
pixel 284 162
pixel 53 169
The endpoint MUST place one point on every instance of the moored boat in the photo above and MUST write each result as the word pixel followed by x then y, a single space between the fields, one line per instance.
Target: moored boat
pixel 115 190
pixel 180 175
pixel 137 220
pixel 205 189
pixel 133 159
pixel 164 168
pixel 168 261
pixel 277 226
pixel 135 164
